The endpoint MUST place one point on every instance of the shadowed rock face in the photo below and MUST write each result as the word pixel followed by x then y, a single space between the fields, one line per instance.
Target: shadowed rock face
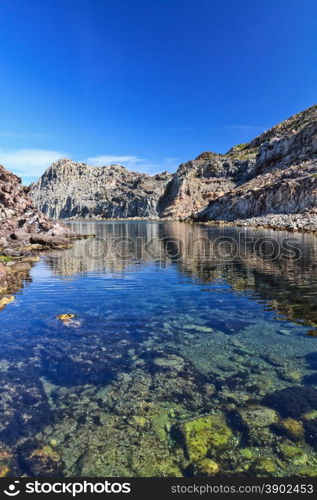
pixel 68 189
pixel 19 219
pixel 275 173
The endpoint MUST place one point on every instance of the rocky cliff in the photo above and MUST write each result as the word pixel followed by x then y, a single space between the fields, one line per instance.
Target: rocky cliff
pixel 24 231
pixel 284 178
pixel 276 173
pixel 20 221
pixel 69 189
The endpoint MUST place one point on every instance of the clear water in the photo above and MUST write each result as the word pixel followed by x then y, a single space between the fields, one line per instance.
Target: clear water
pixel 171 322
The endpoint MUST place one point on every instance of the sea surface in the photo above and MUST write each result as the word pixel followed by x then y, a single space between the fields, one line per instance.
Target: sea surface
pixel 189 350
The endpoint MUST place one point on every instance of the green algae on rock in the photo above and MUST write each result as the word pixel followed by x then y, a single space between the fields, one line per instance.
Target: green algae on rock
pixel 263 467
pixel 205 434
pixel 207 467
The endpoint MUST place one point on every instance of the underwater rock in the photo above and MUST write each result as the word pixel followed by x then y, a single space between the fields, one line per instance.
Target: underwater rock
pixel 292 401
pixel 257 416
pixel 246 453
pixel 290 375
pixel 171 362
pixel 311 432
pixel 292 453
pixel 204 434
pixel 65 317
pixel 309 471
pixel 310 415
pixel 4 470
pixel 24 408
pixel 292 428
pixel 263 467
pixel 260 436
pixel 206 467
pixel 40 460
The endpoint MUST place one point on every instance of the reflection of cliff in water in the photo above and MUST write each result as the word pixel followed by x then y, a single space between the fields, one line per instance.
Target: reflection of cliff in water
pixel 276 267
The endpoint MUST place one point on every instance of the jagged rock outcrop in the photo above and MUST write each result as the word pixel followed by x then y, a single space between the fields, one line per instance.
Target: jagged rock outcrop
pixel 208 177
pixel 75 190
pixel 284 180
pixel 276 173
pixel 19 219
pixel 24 231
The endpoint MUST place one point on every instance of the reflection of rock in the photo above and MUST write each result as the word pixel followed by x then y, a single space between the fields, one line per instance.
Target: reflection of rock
pixel 204 254
pixel 234 256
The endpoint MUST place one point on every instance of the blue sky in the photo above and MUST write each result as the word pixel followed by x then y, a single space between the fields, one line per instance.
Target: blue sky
pixel 148 83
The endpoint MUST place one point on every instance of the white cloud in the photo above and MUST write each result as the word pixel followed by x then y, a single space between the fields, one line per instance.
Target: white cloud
pixel 98 161
pixel 29 162
pixel 247 128
pixel 135 163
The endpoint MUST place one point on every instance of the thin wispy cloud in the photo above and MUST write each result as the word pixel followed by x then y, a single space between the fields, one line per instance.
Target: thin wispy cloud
pixel 29 162
pixel 135 163
pixel 239 127
pixel 99 161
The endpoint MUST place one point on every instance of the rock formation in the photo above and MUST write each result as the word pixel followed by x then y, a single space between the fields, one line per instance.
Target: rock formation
pixel 20 221
pixel 23 231
pixel 276 173
pixel 284 178
pixel 69 190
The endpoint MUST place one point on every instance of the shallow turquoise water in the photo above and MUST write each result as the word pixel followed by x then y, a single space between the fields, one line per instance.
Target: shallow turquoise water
pixel 171 322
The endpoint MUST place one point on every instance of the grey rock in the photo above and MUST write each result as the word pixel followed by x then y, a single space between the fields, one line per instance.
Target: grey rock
pixel 75 190
pixel 273 177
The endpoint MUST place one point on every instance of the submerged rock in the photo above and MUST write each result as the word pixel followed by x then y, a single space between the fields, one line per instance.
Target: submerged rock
pixel 207 467
pixel 292 453
pixel 258 416
pixel 292 401
pixel 292 428
pixel 65 317
pixel 41 461
pixel 263 467
pixel 204 435
pixel 311 432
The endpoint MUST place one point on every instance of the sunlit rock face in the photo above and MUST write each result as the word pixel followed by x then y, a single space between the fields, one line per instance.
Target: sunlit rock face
pixel 273 174
pixel 75 190
pixel 284 179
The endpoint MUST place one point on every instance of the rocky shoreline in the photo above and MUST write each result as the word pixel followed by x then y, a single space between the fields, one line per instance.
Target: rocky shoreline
pixel 25 233
pixel 303 223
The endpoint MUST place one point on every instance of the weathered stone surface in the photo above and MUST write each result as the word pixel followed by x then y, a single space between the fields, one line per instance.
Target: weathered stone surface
pixel 284 178
pixel 19 219
pixel 22 228
pixel 68 189
pixel 273 177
